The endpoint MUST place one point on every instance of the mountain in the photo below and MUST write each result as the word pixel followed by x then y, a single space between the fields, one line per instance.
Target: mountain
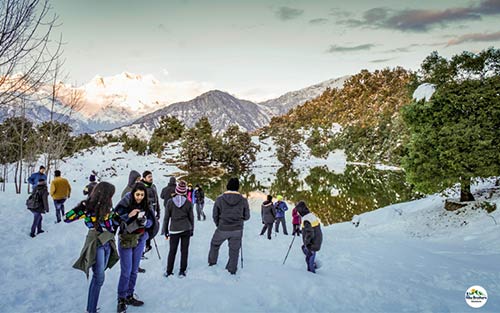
pixel 289 100
pixel 221 108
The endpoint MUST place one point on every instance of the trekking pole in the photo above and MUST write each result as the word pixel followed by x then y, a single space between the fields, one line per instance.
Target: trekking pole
pixel 289 248
pixel 157 251
pixel 242 248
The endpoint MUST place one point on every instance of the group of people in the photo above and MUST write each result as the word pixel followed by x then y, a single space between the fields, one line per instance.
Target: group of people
pixel 136 220
pixel 37 202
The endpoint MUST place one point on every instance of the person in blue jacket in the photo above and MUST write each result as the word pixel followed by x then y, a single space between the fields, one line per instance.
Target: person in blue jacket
pixel 35 177
pixel 280 207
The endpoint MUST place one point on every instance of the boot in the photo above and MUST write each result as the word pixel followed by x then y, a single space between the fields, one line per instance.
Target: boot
pixel 122 305
pixel 141 270
pixel 133 301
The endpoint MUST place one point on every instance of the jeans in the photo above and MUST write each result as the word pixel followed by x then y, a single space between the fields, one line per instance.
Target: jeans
pixel 199 210
pixel 277 225
pixel 37 223
pixel 59 204
pixel 129 266
pixel 174 243
pixel 310 259
pixel 102 256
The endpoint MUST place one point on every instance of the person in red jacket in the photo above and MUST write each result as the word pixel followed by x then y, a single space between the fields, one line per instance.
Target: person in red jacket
pixel 296 221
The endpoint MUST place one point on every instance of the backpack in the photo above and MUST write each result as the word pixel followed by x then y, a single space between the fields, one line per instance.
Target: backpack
pixel 34 200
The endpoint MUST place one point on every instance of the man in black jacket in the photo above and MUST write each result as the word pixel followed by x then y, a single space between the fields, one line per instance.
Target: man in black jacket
pixel 147 180
pixel 312 236
pixel 229 212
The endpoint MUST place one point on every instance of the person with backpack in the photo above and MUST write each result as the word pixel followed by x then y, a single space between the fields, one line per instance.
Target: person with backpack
pixel 168 191
pixel 38 204
pixel 312 236
pixel 138 221
pixel 60 190
pixel 99 251
pixel 268 213
pixel 88 189
pixel 280 207
pixel 199 202
pixel 35 177
pixel 178 226
pixel 153 201
pixel 229 213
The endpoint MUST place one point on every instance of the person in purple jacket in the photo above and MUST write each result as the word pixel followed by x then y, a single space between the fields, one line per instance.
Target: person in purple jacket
pixel 280 207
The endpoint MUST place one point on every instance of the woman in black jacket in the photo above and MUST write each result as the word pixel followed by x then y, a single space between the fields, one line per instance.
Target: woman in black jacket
pixel 178 225
pixel 40 206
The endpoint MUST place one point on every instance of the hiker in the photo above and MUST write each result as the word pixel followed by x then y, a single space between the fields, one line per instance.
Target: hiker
pixel 190 193
pixel 296 221
pixel 35 177
pixel 88 189
pixel 137 223
pixel 312 236
pixel 38 204
pixel 280 207
pixel 229 212
pixel 133 177
pixel 168 191
pixel 178 225
pixel 268 214
pixel 60 190
pixel 154 204
pixel 99 251
pixel 199 202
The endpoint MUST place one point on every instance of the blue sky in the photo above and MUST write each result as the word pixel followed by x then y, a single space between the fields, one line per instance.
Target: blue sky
pixel 261 49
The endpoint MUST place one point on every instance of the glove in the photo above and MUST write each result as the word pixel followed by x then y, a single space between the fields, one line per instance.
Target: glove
pixel 191 233
pixel 263 222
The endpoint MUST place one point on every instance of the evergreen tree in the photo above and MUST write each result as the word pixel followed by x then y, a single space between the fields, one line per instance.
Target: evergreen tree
pixel 235 150
pixel 197 144
pixel 170 129
pixel 455 137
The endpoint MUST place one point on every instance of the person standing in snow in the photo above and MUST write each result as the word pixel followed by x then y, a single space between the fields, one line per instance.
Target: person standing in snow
pixel 88 189
pixel 168 191
pixel 178 225
pixel 199 201
pixel 137 223
pixel 190 193
pixel 229 213
pixel 280 207
pixel 35 177
pixel 99 251
pixel 296 221
pixel 154 204
pixel 268 214
pixel 60 190
pixel 133 177
pixel 40 199
pixel 312 236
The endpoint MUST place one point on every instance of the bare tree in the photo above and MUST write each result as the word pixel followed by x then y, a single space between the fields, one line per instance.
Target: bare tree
pixel 27 51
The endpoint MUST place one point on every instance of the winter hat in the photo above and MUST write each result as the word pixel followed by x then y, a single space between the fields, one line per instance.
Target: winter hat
pixel 146 173
pixel 92 177
pixel 302 208
pixel 181 188
pixel 279 197
pixel 233 184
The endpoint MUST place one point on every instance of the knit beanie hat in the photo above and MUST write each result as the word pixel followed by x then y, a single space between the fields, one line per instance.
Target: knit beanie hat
pixel 233 184
pixel 181 188
pixel 92 177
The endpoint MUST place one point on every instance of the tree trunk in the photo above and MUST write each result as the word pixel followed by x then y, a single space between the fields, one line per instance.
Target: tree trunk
pixel 465 194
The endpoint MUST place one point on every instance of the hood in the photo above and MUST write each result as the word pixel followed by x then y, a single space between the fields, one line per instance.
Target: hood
pixel 232 198
pixel 302 208
pixel 132 177
pixel 172 181
pixel 267 203
pixel 179 200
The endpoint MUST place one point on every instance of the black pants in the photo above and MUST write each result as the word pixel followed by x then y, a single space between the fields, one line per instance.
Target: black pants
pixel 277 225
pixel 269 228
pixel 296 230
pixel 174 243
pixel 234 243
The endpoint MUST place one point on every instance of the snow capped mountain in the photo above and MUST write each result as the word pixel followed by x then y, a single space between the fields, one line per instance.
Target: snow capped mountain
pixel 284 103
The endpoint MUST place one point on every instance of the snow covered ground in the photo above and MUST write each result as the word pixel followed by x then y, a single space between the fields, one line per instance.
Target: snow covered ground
pixel 408 257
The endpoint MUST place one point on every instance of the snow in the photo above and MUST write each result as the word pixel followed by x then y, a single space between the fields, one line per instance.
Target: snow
pixel 408 257
pixel 424 91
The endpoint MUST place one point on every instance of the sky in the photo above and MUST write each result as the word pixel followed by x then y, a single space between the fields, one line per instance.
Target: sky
pixel 259 50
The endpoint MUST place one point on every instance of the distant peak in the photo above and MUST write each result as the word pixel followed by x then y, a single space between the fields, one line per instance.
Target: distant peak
pixel 128 75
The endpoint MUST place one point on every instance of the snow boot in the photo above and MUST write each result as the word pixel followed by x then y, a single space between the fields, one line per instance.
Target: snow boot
pixel 141 270
pixel 133 301
pixel 122 305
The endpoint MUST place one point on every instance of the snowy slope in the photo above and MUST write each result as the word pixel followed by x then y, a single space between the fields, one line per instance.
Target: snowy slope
pixel 409 257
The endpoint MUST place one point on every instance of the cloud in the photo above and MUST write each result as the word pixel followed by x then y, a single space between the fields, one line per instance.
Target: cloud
pixel 165 72
pixel 318 21
pixel 422 20
pixel 477 37
pixel 287 13
pixel 381 60
pixel 335 48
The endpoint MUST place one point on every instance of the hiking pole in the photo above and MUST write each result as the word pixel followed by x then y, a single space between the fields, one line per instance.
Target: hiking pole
pixel 242 248
pixel 157 251
pixel 289 248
